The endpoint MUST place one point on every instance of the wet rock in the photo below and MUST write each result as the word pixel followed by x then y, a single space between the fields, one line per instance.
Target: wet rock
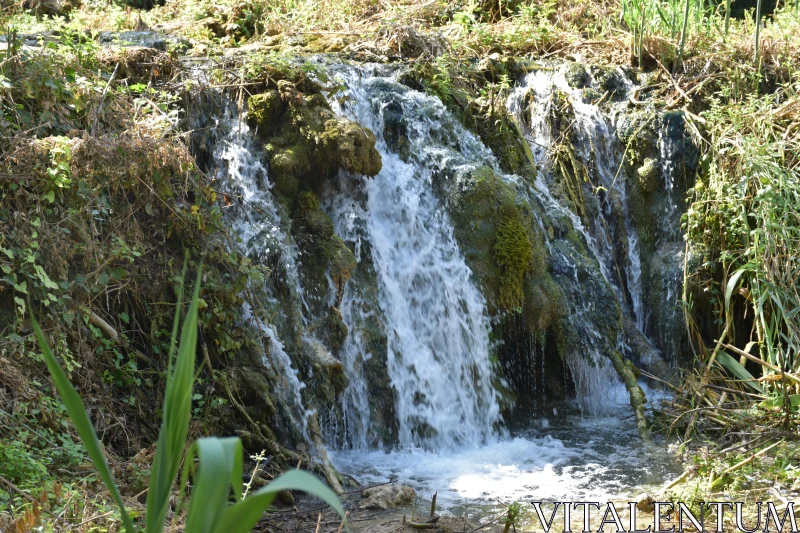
pixel 387 497
pixel 307 143
pixel 646 502
pixel 146 38
pixel 577 76
pixel 496 235
pixel 329 379
pixel 648 175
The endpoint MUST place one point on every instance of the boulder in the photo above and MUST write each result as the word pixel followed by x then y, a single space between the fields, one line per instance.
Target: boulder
pixel 387 497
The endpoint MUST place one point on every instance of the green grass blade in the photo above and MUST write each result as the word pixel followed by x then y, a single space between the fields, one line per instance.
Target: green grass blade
pixel 175 423
pixel 218 459
pixel 176 319
pixel 243 516
pixel 77 412
pixel 738 370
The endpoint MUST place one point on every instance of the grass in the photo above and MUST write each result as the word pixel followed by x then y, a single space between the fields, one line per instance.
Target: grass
pixel 219 459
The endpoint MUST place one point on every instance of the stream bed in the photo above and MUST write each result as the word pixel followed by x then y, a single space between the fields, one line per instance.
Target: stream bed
pixel 567 456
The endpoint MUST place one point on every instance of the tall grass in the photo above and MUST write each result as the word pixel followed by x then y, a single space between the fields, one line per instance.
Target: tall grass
pixel 219 468
pixel 744 222
pixel 660 20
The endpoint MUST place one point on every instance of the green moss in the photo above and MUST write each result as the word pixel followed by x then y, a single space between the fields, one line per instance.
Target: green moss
pixel 306 142
pixel 498 237
pixel 513 253
pixel 265 108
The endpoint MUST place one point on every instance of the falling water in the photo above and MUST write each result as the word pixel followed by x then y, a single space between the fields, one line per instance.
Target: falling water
pixel 436 320
pixel 599 150
pixel 243 175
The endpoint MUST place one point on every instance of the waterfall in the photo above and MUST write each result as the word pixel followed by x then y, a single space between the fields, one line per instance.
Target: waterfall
pixel 533 104
pixel 257 223
pixel 599 150
pixel 437 326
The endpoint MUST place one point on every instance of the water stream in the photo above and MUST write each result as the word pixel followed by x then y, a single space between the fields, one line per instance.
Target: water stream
pixel 414 296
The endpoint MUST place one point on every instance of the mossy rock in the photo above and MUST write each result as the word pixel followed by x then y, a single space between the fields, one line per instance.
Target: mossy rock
pixel 306 142
pixel 323 253
pixel 648 175
pixel 329 379
pixel 265 109
pixel 496 236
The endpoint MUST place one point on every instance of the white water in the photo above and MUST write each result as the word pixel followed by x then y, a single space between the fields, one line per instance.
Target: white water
pixel 564 457
pixel 257 223
pixel 599 150
pixel 437 328
pixel 436 320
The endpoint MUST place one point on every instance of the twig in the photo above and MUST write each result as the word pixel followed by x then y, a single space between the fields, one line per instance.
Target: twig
pixel 13 487
pixel 103 98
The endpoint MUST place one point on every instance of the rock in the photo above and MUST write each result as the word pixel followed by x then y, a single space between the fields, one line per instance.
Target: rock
pixel 301 128
pixel 147 39
pixel 645 502
pixel 387 497
pixel 330 379
pixel 285 498
pixel 53 8
pixel 648 175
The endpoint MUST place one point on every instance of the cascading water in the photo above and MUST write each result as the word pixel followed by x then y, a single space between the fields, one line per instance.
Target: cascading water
pixel 243 175
pixel 436 320
pixel 533 104
pixel 413 305
pixel 439 361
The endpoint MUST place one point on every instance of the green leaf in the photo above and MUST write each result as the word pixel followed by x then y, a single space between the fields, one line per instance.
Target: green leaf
pixel 778 401
pixel 42 275
pixel 731 286
pixel 21 287
pixel 219 459
pixel 243 516
pixel 738 370
pixel 50 196
pixel 177 412
pixel 8 252
pixel 77 412
pixel 125 318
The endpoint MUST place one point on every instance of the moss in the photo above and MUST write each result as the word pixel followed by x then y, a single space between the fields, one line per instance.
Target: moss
pixel 265 108
pixel 306 142
pixel 355 147
pixel 513 252
pixel 648 175
pixel 498 237
pixel 324 253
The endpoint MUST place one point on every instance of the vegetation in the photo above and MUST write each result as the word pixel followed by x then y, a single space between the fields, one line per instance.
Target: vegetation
pixel 218 459
pixel 101 198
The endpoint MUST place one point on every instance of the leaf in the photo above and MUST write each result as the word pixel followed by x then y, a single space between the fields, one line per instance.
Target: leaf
pixel 220 459
pixel 738 370
pixel 776 402
pixel 8 252
pixel 50 196
pixel 243 516
pixel 731 286
pixel 124 317
pixel 177 412
pixel 77 412
pixel 21 287
pixel 42 275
